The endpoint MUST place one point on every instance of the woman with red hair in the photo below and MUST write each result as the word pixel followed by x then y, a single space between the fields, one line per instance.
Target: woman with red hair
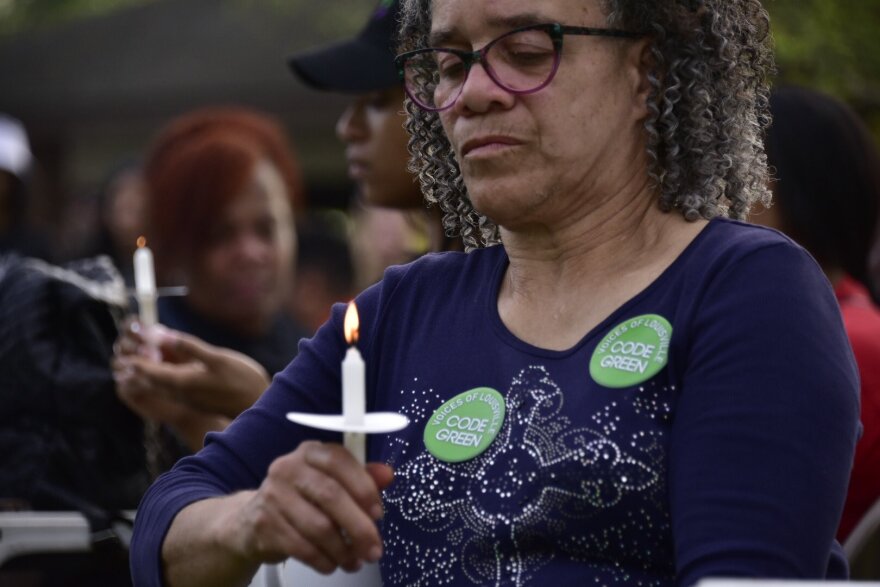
pixel 223 186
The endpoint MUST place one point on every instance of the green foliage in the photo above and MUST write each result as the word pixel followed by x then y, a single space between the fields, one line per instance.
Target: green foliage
pixel 28 14
pixel 330 18
pixel 831 45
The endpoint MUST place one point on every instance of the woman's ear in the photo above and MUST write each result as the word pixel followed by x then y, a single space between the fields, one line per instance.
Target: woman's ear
pixel 642 65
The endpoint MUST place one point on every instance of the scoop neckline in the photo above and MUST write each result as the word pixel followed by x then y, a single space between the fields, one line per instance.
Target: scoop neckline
pixel 501 330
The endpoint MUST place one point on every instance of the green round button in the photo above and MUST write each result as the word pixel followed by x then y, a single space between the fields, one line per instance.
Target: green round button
pixel 634 351
pixel 466 425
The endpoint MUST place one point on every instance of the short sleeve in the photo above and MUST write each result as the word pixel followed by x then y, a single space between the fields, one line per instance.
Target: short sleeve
pixel 765 423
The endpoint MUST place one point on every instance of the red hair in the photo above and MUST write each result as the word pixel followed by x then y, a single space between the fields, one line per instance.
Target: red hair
pixel 198 164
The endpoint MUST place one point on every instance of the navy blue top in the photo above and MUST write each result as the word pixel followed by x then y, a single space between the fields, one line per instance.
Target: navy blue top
pixel 732 460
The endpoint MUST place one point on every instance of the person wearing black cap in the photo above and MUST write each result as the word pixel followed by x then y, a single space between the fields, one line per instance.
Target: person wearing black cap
pixel 359 65
pixel 372 125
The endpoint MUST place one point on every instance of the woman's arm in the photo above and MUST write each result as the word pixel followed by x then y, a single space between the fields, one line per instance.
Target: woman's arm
pixel 195 551
pixel 765 425
pixel 265 489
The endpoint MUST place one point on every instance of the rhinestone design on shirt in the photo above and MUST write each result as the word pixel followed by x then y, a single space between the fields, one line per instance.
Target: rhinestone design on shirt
pixel 524 502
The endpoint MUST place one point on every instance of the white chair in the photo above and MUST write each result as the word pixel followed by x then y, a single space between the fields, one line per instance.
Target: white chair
pixel 30 532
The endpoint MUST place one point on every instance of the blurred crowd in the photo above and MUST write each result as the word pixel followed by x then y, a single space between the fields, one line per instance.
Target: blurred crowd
pixel 246 266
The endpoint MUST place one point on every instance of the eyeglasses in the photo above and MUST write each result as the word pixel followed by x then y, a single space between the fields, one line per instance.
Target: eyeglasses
pixel 521 61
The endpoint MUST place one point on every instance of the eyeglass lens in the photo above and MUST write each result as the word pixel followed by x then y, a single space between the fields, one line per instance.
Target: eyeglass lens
pixel 519 62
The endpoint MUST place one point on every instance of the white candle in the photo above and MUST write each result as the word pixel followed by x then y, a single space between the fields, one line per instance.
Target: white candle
pixel 145 284
pixel 353 388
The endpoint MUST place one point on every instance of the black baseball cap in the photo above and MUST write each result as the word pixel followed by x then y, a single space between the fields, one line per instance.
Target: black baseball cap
pixel 362 64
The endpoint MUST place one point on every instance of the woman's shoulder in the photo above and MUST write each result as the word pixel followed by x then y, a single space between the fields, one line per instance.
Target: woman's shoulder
pixel 748 270
pixel 726 243
pixel 737 237
pixel 448 265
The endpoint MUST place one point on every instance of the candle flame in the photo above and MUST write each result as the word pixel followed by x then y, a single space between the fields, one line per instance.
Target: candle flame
pixel 141 242
pixel 352 323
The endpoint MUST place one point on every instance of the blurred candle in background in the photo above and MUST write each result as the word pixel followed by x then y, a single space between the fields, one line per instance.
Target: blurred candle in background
pixel 145 283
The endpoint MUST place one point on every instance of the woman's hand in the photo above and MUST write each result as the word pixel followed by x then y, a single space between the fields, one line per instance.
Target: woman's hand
pixel 192 372
pixel 176 379
pixel 135 355
pixel 138 391
pixel 317 504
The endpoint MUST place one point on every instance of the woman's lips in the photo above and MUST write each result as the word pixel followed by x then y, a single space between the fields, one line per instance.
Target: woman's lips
pixel 487 145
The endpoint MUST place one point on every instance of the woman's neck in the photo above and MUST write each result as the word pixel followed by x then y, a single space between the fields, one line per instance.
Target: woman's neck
pixel 584 243
pixel 564 279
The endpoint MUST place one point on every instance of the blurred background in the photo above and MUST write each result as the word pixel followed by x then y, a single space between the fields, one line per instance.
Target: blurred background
pixel 92 80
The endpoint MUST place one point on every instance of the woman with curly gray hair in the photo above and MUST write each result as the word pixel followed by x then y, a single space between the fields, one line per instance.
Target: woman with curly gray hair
pixel 617 391
pixel 707 108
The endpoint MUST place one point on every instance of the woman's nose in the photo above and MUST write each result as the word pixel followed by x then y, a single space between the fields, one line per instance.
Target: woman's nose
pixel 480 92
pixel 350 127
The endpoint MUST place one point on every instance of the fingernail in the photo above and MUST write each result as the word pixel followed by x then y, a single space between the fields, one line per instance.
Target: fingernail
pixel 377 512
pixel 375 554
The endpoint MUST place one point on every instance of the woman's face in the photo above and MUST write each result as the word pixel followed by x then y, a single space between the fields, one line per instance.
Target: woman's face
pixel 537 157
pixel 244 273
pixel 375 147
pixel 126 209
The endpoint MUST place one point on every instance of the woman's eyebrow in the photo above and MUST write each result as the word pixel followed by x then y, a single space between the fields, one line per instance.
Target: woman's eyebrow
pixel 441 37
pixel 501 23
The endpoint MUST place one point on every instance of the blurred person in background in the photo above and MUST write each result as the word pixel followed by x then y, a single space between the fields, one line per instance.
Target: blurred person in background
pixel 324 269
pixel 382 237
pixel 826 194
pixel 371 127
pixel 121 216
pixel 16 162
pixel 223 186
pixel 68 443
pixel 376 149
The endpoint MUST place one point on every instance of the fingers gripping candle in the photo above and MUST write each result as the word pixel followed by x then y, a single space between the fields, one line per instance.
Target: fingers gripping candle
pixel 353 387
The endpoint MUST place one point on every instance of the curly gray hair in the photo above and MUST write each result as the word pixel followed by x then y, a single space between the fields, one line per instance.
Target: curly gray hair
pixel 708 109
